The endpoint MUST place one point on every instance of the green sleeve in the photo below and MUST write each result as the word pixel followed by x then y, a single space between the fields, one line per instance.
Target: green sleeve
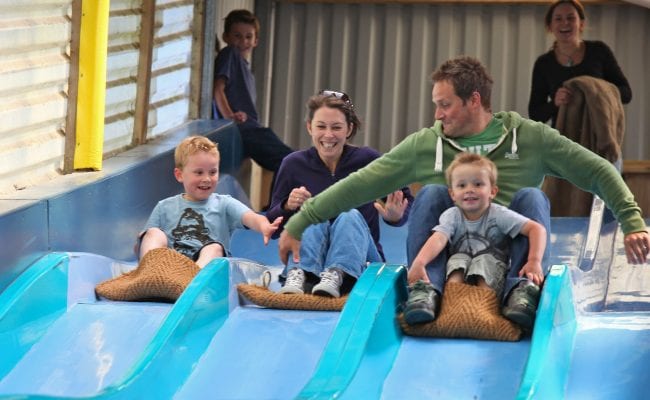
pixel 388 173
pixel 569 160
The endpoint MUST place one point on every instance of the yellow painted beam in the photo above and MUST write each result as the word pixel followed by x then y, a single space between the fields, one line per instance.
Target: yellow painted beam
pixel 91 97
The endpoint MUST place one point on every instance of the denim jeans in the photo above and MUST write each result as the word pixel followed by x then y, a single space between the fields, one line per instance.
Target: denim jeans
pixel 345 243
pixel 432 200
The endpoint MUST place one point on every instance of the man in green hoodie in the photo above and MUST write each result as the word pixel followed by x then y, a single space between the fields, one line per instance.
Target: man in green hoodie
pixel 524 152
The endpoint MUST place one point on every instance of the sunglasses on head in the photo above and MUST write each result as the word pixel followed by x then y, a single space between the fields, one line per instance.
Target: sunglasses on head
pixel 339 95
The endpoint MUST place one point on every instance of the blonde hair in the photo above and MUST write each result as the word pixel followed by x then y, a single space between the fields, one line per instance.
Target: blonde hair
pixel 192 145
pixel 475 159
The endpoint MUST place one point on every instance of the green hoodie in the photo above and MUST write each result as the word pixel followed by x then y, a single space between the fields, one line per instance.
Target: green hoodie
pixel 526 152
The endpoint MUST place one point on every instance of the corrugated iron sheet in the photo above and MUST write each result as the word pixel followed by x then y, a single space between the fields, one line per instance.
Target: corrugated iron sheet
pixel 383 55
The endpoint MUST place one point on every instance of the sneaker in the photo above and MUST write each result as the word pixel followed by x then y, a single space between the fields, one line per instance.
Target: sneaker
pixel 295 283
pixel 522 305
pixel 422 303
pixel 330 283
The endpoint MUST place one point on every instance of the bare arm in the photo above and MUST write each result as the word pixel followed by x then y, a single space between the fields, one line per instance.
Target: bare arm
pixel 536 245
pixel 432 247
pixel 222 103
pixel 259 223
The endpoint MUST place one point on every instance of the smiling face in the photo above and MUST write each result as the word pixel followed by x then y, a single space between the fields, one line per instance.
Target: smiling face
pixel 566 24
pixel 456 117
pixel 243 37
pixel 329 131
pixel 471 189
pixel 199 176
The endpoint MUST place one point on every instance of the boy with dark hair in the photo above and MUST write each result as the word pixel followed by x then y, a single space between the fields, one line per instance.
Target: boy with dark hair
pixel 235 93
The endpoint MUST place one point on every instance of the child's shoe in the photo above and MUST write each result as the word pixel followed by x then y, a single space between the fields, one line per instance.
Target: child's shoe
pixel 522 305
pixel 295 283
pixel 422 303
pixel 330 283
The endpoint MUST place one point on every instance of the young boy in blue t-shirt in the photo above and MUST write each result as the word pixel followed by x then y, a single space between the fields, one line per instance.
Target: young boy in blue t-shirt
pixel 199 223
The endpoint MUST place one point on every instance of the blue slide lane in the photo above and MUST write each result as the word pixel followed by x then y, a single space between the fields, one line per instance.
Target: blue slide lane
pixel 102 348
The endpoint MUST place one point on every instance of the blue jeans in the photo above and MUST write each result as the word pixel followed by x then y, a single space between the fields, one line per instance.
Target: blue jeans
pixel 432 200
pixel 345 243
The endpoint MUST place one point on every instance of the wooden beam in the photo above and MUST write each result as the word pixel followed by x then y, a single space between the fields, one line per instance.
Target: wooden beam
pixel 143 86
pixel 73 90
pixel 203 53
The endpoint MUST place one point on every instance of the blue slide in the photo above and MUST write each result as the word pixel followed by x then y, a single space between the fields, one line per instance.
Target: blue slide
pixel 58 340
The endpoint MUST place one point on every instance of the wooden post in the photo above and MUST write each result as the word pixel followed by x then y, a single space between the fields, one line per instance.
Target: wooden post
pixel 143 87
pixel 73 90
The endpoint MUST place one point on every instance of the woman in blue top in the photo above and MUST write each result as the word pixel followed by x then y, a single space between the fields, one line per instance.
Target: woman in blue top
pixel 336 252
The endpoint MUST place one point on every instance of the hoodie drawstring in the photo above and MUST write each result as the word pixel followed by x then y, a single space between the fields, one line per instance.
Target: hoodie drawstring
pixel 437 167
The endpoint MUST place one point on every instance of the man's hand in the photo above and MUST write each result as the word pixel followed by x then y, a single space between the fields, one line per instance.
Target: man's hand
pixel 393 209
pixel 288 244
pixel 637 246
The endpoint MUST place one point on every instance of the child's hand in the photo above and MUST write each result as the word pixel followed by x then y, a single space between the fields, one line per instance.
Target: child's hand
pixel 533 271
pixel 269 229
pixel 393 209
pixel 416 273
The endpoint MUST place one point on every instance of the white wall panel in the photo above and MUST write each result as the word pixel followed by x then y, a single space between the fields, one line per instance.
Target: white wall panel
pixel 121 74
pixel 170 83
pixel 33 85
pixel 383 56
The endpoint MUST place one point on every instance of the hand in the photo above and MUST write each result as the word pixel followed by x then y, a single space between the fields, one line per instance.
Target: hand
pixel 288 244
pixel 296 198
pixel 532 270
pixel 562 96
pixel 637 246
pixel 239 117
pixel 417 273
pixel 393 209
pixel 269 229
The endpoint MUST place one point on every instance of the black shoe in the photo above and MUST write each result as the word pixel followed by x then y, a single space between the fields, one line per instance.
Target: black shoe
pixel 422 304
pixel 522 305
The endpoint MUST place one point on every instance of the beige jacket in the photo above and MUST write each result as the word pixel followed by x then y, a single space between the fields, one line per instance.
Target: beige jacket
pixel 595 118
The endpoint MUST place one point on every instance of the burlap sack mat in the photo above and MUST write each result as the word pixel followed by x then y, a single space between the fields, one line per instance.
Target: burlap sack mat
pixel 467 311
pixel 162 274
pixel 264 297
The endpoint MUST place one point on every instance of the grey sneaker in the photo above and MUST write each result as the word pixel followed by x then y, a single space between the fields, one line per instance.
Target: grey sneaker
pixel 522 305
pixel 295 283
pixel 330 283
pixel 422 304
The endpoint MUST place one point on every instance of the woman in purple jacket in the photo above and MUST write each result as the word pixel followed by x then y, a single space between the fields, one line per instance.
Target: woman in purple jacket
pixel 334 253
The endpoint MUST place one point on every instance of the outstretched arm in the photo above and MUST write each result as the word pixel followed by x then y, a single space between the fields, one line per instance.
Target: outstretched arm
pixel 536 246
pixel 432 247
pixel 222 103
pixel 259 223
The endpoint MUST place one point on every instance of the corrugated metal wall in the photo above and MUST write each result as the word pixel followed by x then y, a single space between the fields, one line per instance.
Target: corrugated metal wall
pixel 170 81
pixel 121 73
pixel 383 55
pixel 170 69
pixel 34 65
pixel 34 73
